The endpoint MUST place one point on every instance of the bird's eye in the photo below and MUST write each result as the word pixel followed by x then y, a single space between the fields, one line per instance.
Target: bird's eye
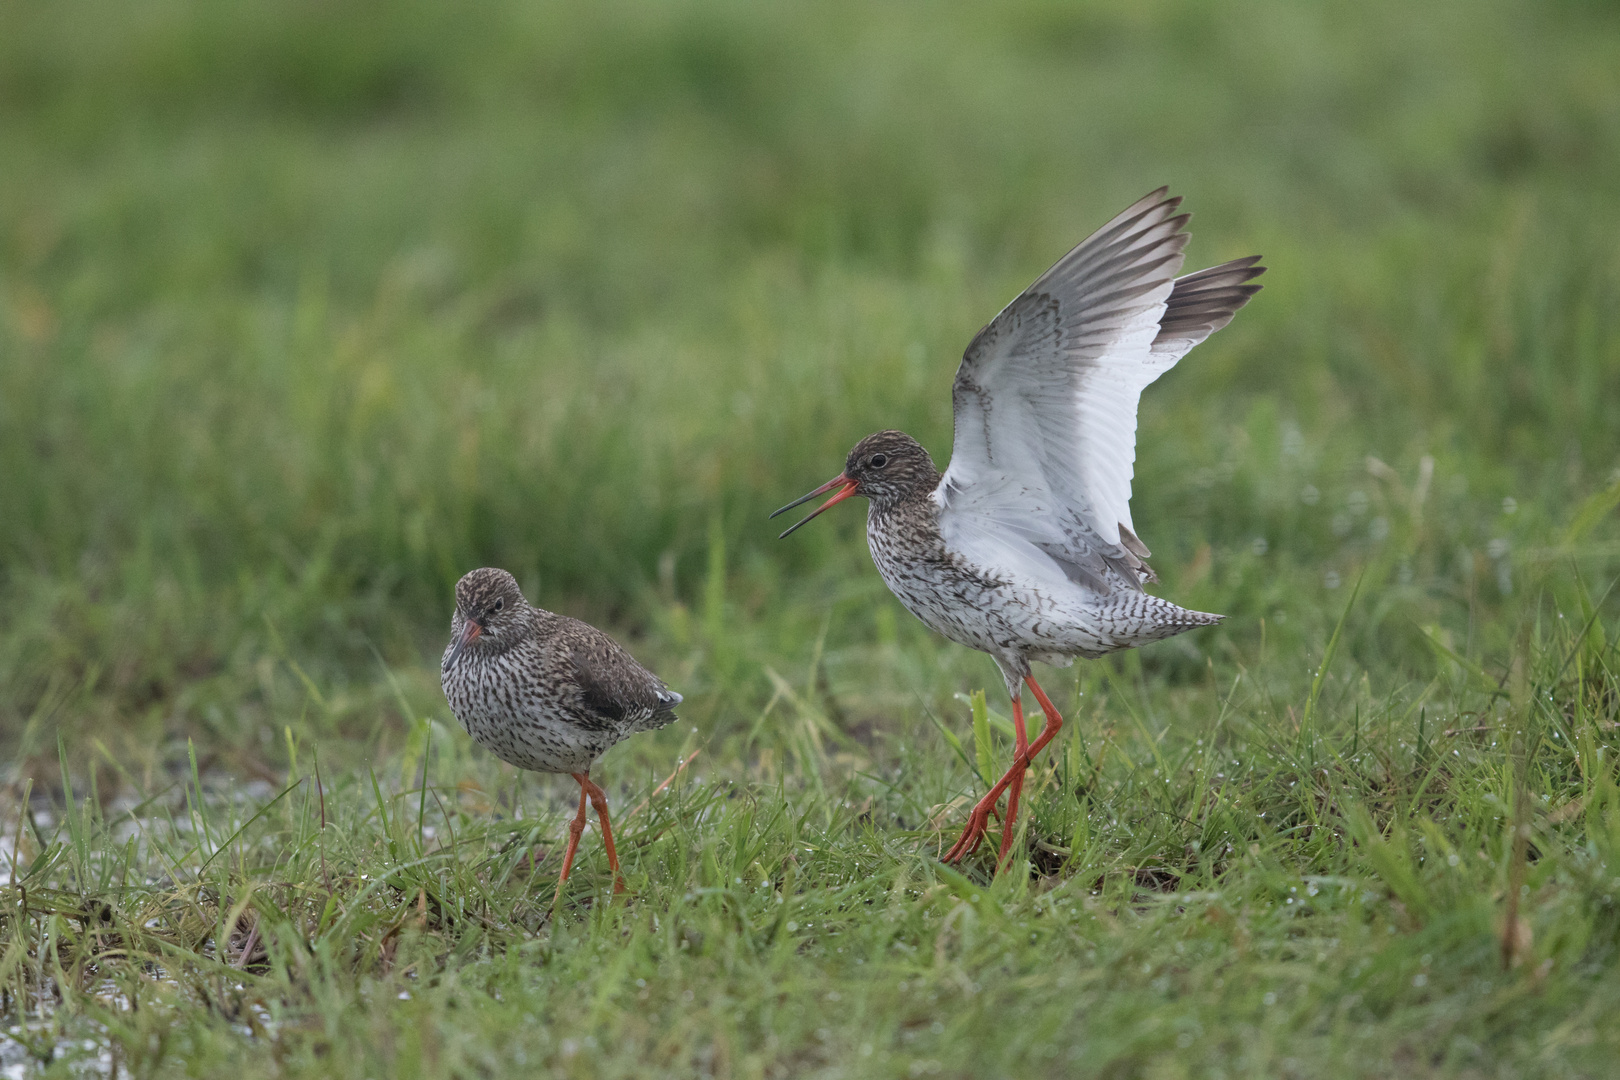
pixel 879 460
pixel 499 604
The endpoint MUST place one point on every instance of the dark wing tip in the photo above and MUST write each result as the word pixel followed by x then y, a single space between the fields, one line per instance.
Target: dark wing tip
pixel 1159 196
pixel 1203 302
pixel 1234 272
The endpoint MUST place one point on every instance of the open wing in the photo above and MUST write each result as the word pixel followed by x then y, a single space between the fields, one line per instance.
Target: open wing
pixel 1046 395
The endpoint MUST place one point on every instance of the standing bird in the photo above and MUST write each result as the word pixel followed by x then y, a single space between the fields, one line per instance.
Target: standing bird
pixel 1024 548
pixel 546 692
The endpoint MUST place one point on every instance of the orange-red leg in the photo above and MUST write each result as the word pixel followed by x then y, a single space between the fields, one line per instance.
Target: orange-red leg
pixel 973 834
pixel 599 800
pixel 1054 722
pixel 575 828
pixel 1020 753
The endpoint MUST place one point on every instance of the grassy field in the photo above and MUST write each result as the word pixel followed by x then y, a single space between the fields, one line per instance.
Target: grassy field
pixel 308 307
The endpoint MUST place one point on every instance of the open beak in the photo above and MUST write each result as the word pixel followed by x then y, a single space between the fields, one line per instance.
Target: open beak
pixel 469 634
pixel 844 492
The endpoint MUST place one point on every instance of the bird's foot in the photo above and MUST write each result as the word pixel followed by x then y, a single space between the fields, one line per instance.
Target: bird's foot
pixel 979 820
pixel 977 823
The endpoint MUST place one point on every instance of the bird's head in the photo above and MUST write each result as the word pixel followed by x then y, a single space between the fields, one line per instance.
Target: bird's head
pixel 887 468
pixel 491 613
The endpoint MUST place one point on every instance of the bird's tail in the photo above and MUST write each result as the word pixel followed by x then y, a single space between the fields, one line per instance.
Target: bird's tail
pixel 1138 618
pixel 664 713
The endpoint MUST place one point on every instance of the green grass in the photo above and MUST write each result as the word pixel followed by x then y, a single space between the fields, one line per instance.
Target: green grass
pixel 307 308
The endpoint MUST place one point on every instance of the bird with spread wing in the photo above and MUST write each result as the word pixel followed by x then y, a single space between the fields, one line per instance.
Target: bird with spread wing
pixel 1025 548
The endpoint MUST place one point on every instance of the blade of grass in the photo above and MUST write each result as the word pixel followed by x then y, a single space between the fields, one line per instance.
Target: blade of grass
pixel 1309 715
pixel 983 748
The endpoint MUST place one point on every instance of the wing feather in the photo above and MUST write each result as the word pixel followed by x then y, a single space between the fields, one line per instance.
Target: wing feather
pixel 1046 395
pixel 1202 303
pixel 614 687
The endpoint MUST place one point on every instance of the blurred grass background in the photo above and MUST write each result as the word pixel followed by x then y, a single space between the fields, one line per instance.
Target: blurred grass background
pixel 309 307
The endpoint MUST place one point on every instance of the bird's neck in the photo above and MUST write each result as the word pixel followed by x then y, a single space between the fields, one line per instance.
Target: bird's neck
pixel 543 624
pixel 915 503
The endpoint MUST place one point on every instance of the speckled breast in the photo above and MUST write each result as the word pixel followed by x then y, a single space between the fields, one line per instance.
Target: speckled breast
pixel 511 712
pixel 975 609
pixel 950 599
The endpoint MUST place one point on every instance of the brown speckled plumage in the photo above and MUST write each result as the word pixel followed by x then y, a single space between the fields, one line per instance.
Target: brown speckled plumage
pixel 541 690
